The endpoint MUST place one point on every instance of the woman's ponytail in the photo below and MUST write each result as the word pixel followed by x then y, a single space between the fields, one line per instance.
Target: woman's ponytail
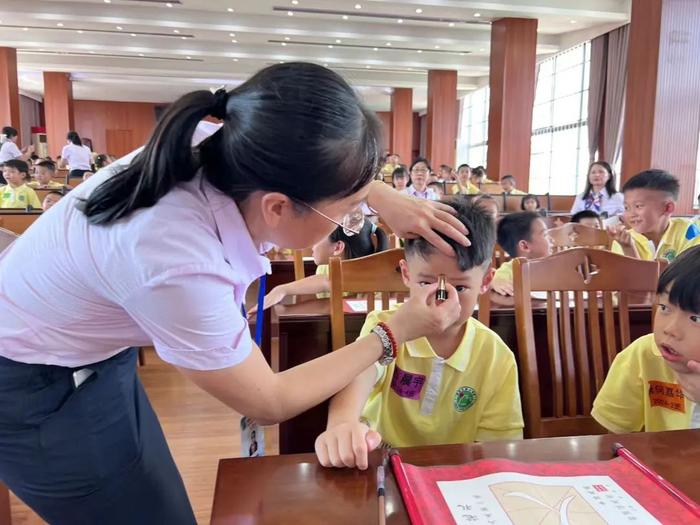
pixel 165 161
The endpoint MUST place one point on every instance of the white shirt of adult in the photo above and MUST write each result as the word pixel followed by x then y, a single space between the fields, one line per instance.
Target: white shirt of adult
pixel 611 204
pixel 77 157
pixel 9 151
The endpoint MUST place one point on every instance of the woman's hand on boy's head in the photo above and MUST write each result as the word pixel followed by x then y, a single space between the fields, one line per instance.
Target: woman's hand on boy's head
pixel 410 218
pixel 347 445
pixel 690 382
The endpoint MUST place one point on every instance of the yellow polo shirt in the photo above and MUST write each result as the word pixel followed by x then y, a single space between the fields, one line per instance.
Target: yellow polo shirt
pixel 423 399
pixel 504 272
pixel 470 189
pixel 324 269
pixel 680 235
pixel 52 185
pixel 641 392
pixel 18 197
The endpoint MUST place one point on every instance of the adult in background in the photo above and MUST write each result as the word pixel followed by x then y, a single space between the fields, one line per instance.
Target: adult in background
pixel 600 194
pixel 9 149
pixel 75 156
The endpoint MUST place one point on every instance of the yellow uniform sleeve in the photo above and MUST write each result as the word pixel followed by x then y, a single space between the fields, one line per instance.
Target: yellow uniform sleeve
pixel 619 406
pixel 503 416
pixel 33 200
pixel 505 272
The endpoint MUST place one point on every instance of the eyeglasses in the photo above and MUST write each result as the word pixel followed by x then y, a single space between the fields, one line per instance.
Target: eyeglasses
pixel 351 223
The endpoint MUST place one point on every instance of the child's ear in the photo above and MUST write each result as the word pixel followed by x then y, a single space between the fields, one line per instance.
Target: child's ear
pixel 486 281
pixel 405 276
pixel 338 248
pixel 523 247
pixel 669 207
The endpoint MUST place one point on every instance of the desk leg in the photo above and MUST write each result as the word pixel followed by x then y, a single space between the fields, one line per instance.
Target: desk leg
pixel 5 514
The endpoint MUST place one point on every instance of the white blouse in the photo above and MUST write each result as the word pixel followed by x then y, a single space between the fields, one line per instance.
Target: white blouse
pixel 611 204
pixel 77 157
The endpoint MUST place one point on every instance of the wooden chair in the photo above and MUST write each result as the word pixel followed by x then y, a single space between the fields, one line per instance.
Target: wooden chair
pixel 393 238
pixel 500 256
pixel 573 234
pixel 571 366
pixel 299 265
pixel 378 272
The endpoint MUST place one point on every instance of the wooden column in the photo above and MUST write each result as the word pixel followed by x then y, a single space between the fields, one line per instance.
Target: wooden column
pixel 401 132
pixel 58 110
pixel 512 84
pixel 9 91
pixel 662 105
pixel 441 138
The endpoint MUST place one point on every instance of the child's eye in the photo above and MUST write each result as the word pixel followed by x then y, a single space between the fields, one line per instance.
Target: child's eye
pixel 423 283
pixel 663 307
pixel 461 288
pixel 695 319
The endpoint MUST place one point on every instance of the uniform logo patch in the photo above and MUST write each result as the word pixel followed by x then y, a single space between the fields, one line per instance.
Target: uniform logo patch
pixel 666 395
pixel 669 255
pixel 407 384
pixel 465 397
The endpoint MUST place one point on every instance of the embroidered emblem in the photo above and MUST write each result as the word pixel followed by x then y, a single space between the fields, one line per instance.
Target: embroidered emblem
pixel 465 397
pixel 669 255
pixel 666 395
pixel 407 384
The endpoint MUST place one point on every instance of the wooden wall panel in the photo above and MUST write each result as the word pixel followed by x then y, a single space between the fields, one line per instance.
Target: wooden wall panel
pixel 385 119
pixel 401 129
pixel 58 109
pixel 443 108
pixel 415 148
pixel 512 84
pixel 662 110
pixel 93 118
pixel 9 90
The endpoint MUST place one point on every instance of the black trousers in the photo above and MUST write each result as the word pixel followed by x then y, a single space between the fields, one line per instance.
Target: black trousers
pixel 74 174
pixel 94 454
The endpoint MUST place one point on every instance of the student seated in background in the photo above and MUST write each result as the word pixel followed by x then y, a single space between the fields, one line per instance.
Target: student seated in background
pixel 530 203
pixel 643 389
pixel 521 234
pixel 437 188
pixel 43 174
pixel 446 173
pixel 102 161
pixel 650 200
pixel 587 218
pixel 478 176
pixel 464 185
pixel 399 178
pixel 488 203
pixel 420 170
pixel 338 244
pixel 508 185
pixel 50 199
pixel 456 386
pixel 16 194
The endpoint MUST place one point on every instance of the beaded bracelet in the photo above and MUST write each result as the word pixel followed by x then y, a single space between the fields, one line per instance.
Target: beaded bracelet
pixel 386 337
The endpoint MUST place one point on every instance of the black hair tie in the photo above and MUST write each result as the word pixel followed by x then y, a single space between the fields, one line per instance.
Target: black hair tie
pixel 219 107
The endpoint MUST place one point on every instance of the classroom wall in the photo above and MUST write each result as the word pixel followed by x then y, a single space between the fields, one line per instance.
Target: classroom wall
pixel 385 118
pixel 114 127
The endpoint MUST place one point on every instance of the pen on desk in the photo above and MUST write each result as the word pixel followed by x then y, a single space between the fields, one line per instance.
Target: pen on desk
pixel 441 293
pixel 620 450
pixel 380 494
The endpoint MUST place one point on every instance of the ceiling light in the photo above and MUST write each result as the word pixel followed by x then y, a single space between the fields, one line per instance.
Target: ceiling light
pixel 400 21
pixel 295 2
pixel 80 31
pixel 133 34
pixel 108 1
pixel 419 10
pixel 169 4
pixel 235 60
pixel 388 43
pixel 368 67
pixel 234 41
pixel 477 15
pixel 290 13
pixel 462 54
pixel 59 24
pixel 345 17
pixel 230 10
pixel 232 35
pixel 92 52
pixel 419 51
pixel 183 38
pixel 451 24
pixel 437 47
pixel 176 30
pixel 119 28
pixel 330 46
pixel 572 21
pixel 140 54
pixel 25 29
pixel 481 50
pixel 338 41
pixel 281 61
pixel 286 38
pixel 358 6
pixel 410 69
pixel 375 49
pixel 284 44
pixel 188 58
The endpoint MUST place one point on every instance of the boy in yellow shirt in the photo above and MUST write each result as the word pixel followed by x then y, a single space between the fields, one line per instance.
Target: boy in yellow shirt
pixel 464 185
pixel 646 387
pixel 650 200
pixel 455 386
pixel 521 234
pixel 16 194
pixel 43 173
pixel 508 185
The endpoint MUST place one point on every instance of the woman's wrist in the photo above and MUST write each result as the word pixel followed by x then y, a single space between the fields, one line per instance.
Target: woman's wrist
pixel 377 189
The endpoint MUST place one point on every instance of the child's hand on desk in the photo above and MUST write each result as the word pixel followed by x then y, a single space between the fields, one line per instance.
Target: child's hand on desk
pixel 275 296
pixel 502 287
pixel 347 445
pixel 421 315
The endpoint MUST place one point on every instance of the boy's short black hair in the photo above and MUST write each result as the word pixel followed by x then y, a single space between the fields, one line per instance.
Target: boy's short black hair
pixel 438 184
pixel 514 228
pixel 55 192
pixel 506 177
pixel 659 180
pixel 47 164
pixel 681 281
pixel 481 234
pixel 19 165
pixel 445 167
pixel 584 214
pixel 463 166
pixel 399 171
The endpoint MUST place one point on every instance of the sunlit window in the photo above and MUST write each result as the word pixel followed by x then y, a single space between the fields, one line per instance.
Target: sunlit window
pixel 472 140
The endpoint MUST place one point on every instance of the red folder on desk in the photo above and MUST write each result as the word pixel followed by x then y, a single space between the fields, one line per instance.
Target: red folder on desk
pixel 500 491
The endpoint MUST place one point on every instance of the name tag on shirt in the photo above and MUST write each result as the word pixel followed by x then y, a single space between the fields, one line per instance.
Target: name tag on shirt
pixel 407 384
pixel 666 395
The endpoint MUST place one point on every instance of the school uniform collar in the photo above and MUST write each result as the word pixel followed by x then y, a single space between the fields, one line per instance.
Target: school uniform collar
pixel 420 348
pixel 239 249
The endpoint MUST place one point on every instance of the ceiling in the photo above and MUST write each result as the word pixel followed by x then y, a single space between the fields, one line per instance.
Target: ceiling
pixel 154 50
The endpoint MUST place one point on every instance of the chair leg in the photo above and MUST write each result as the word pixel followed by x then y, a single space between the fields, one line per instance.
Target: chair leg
pixel 142 357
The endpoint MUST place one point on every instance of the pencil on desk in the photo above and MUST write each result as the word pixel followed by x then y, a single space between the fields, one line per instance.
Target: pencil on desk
pixel 620 450
pixel 380 494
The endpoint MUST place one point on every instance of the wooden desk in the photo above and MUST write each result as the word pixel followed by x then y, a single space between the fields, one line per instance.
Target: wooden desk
pixel 5 514
pixel 304 334
pixel 18 221
pixel 296 489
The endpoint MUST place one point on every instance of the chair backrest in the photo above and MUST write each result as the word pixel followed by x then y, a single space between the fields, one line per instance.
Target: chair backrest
pixel 571 362
pixel 299 265
pixel 378 272
pixel 572 234
pixel 391 236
